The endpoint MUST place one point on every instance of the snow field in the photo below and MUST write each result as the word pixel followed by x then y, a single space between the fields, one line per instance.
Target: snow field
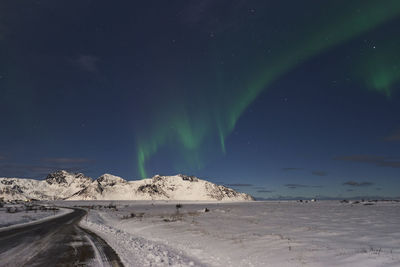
pixel 325 233
pixel 10 220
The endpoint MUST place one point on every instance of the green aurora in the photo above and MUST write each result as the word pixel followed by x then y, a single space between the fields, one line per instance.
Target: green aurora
pixel 380 69
pixel 216 111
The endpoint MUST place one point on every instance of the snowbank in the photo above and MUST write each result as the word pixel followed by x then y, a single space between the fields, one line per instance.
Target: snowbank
pixel 134 250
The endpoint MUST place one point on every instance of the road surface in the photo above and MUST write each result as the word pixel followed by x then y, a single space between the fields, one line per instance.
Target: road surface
pixel 57 242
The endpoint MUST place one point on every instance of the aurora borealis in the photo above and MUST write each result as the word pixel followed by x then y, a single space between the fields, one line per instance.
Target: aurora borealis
pixel 243 92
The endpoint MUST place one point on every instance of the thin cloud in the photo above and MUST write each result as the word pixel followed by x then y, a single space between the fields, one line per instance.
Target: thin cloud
pixel 358 184
pixel 292 169
pixel 379 161
pixel 395 136
pixel 2 157
pixel 265 191
pixel 259 187
pixel 319 173
pixel 295 186
pixel 87 63
pixel 67 160
pixel 239 185
pixel 34 170
pixel 207 15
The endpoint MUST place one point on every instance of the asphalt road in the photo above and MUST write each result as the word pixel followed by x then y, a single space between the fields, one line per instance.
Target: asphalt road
pixel 57 242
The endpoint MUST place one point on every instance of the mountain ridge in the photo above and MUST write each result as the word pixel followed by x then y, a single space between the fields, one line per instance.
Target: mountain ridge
pixel 62 185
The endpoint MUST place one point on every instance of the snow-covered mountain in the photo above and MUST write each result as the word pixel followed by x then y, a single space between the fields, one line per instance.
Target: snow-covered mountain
pixel 57 185
pixel 76 186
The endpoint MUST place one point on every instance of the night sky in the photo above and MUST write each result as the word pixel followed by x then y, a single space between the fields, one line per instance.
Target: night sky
pixel 273 98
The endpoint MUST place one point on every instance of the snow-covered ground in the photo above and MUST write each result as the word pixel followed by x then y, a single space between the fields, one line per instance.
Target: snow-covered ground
pixel 325 233
pixel 22 216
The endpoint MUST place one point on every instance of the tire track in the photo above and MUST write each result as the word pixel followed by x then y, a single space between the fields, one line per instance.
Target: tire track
pixel 105 255
pixel 57 242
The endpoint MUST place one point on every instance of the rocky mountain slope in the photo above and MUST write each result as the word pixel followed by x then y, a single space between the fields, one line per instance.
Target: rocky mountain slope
pixel 76 186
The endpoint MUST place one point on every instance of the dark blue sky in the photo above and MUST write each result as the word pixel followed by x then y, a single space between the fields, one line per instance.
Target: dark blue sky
pixel 273 99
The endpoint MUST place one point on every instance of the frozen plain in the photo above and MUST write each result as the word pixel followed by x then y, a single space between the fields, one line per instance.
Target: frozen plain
pixel 8 220
pixel 324 233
